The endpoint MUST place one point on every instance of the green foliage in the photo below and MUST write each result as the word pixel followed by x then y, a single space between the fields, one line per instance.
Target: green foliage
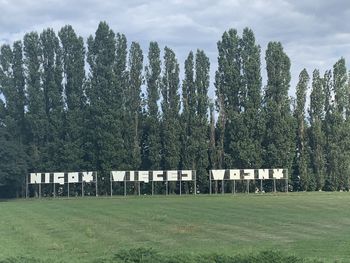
pixel 238 91
pixel 151 134
pixel 62 118
pixel 73 55
pixel 278 141
pixel 194 117
pixel 316 133
pixel 133 107
pixel 170 111
pixel 13 165
pixel 103 126
pixel 301 159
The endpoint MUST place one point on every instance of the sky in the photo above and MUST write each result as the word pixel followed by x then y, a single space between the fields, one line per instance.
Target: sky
pixel 314 33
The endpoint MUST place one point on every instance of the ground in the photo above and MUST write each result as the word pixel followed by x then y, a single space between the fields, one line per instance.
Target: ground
pixel 312 225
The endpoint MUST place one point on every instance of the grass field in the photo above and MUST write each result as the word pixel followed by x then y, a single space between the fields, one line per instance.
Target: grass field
pixel 313 225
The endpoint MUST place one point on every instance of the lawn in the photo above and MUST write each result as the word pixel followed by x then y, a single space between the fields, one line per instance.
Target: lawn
pixel 312 225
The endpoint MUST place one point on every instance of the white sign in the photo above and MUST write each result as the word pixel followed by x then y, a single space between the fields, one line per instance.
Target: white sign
pixel 61 178
pixel 155 176
pixel 248 174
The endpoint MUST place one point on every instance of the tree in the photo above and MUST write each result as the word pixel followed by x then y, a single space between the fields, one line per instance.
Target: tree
pixel 279 132
pixel 170 110
pixel 152 143
pixel 249 135
pixel 188 115
pixel 119 104
pixel 35 116
pixel 13 164
pixel 53 98
pixel 133 105
pixel 73 55
pixel 338 133
pixel 301 159
pixel 316 134
pixel 201 125
pixel 228 84
pixel 104 119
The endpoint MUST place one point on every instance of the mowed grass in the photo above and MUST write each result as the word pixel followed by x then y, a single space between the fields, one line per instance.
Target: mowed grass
pixel 312 225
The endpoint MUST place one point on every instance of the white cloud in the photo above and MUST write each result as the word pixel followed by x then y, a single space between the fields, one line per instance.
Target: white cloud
pixel 314 33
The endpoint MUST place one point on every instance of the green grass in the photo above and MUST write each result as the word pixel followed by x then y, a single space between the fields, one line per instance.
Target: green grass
pixel 312 225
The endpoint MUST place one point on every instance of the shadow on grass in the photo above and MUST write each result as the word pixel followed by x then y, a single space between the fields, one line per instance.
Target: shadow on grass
pixel 146 255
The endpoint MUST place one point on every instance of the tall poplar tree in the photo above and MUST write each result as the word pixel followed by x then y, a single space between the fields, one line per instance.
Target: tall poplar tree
pixel 73 55
pixel 53 98
pixel 133 104
pixel 316 133
pixel 201 129
pixel 279 132
pixel 228 84
pixel 301 159
pixel 170 111
pixel 35 116
pixel 328 124
pixel 339 155
pixel 13 164
pixel 188 115
pixel 119 104
pixel 152 142
pixel 249 135
pixel 101 93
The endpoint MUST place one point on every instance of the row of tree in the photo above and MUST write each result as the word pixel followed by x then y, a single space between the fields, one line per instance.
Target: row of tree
pixel 65 107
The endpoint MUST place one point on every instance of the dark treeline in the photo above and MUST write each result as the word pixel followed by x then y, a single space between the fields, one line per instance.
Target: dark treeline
pixel 126 111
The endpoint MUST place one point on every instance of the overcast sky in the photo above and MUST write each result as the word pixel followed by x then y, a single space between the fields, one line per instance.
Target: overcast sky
pixel 315 34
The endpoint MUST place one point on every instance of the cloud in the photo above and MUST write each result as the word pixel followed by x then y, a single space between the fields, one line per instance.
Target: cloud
pixel 314 33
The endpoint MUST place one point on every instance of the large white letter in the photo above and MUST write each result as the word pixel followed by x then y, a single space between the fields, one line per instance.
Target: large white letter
pixel 131 176
pixel 58 178
pixel 235 174
pixel 73 177
pixel 118 176
pixel 248 174
pixel 278 173
pixel 218 174
pixel 47 178
pixel 88 177
pixel 157 176
pixel 264 174
pixel 35 178
pixel 144 176
pixel 186 175
pixel 172 175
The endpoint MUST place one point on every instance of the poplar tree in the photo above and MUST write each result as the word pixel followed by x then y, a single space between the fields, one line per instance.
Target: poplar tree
pixel 73 55
pixel 152 142
pixel 133 104
pixel 339 155
pixel 119 104
pixel 53 98
pixel 279 132
pixel 228 84
pixel 19 91
pixel 201 131
pixel 301 159
pixel 188 115
pixel 13 164
pixel 249 136
pixel 101 95
pixel 330 146
pixel 316 134
pixel 170 110
pixel 35 116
